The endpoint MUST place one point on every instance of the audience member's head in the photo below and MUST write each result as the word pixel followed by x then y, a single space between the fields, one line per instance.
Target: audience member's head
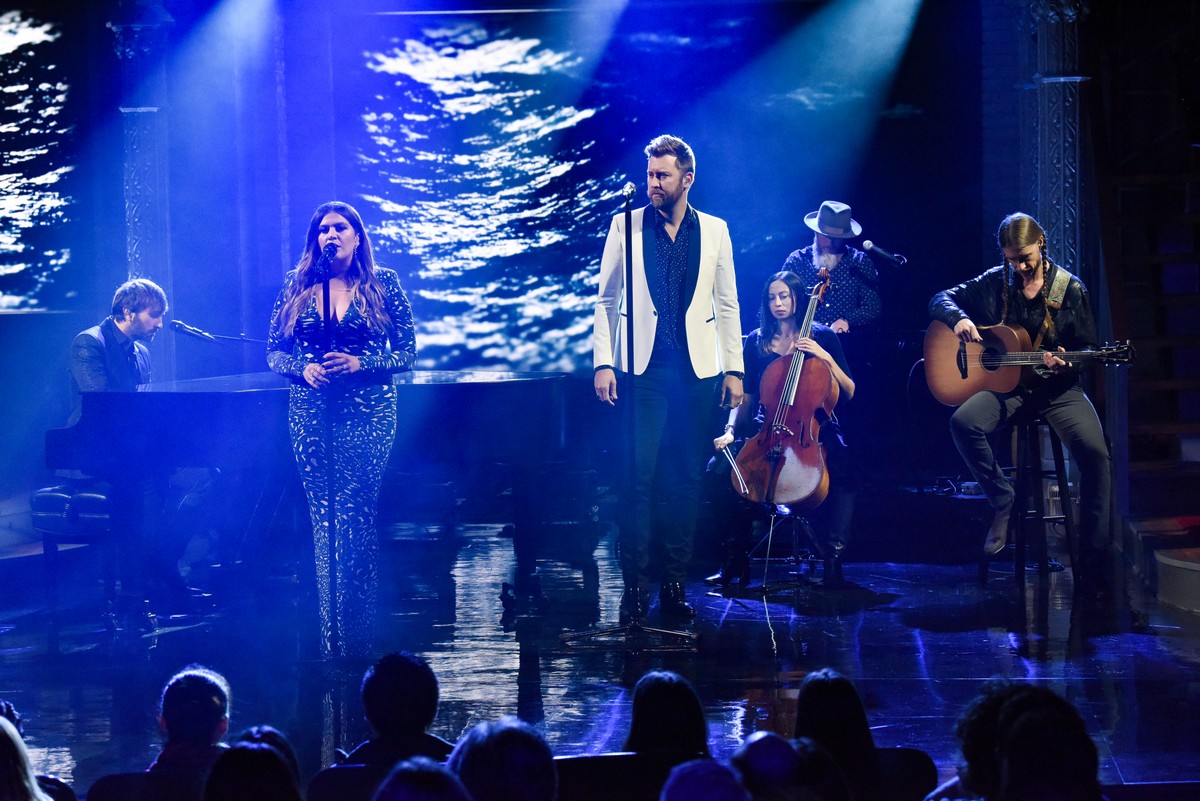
pixel 667 716
pixel 703 780
pixel 978 737
pixel 1045 753
pixel 773 769
pixel 399 695
pixel 830 712
pixel 421 779
pixel 818 776
pixel 269 735
pixel 195 706
pixel 251 771
pixel 17 779
pixel 766 763
pixel 505 760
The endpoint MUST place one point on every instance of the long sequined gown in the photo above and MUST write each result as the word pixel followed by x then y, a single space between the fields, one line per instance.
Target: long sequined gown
pixel 363 406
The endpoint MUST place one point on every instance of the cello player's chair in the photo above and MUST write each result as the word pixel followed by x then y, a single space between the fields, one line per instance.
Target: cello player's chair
pixel 1030 517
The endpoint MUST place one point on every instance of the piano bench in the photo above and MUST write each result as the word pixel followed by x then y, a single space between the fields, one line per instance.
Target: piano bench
pixel 73 513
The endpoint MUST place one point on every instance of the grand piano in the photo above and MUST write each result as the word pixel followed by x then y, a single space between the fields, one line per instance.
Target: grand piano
pixel 450 418
pixel 452 426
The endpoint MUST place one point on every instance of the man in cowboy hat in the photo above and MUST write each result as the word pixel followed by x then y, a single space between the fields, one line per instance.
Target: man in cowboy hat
pixel 852 300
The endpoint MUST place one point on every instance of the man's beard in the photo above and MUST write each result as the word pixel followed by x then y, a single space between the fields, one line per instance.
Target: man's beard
pixel 826 261
pixel 665 203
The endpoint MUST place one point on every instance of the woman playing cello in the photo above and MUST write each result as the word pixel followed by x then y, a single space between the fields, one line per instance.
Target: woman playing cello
pixel 779 334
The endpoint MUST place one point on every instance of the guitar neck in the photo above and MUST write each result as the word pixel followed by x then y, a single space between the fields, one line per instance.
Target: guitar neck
pixel 1035 357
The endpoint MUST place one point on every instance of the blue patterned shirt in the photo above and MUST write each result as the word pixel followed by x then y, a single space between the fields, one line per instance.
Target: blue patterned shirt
pixel 670 259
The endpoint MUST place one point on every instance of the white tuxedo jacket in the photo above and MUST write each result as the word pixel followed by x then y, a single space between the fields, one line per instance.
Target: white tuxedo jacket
pixel 712 320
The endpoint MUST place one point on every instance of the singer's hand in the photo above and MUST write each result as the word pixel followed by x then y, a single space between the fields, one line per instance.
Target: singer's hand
pixel 840 326
pixel 314 375
pixel 605 384
pixel 731 392
pixel 337 363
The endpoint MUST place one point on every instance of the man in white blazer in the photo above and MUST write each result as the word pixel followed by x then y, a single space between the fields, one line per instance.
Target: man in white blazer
pixel 687 339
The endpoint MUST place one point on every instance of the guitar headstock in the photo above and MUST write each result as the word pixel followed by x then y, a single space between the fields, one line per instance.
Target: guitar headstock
pixel 1115 353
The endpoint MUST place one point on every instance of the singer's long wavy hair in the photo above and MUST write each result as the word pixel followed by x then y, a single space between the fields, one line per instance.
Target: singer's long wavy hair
pixel 360 275
pixel 768 326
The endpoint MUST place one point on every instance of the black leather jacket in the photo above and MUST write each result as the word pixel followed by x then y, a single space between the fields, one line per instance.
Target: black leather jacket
pixel 982 300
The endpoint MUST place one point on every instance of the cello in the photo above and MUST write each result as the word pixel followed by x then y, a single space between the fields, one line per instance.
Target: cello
pixel 785 462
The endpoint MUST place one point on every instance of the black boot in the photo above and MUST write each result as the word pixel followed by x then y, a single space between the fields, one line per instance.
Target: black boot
pixel 634 603
pixel 735 569
pixel 673 601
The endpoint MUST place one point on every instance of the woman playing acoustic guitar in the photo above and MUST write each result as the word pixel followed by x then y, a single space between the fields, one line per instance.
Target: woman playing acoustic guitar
pixel 1030 291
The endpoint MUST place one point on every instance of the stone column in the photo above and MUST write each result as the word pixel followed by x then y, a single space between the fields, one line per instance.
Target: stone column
pixel 1061 180
pixel 141 44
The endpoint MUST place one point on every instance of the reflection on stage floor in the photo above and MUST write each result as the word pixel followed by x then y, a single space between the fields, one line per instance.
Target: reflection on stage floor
pixel 917 639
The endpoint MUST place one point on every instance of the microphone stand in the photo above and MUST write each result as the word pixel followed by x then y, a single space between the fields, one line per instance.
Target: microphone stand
pixel 635 627
pixel 330 484
pixel 238 338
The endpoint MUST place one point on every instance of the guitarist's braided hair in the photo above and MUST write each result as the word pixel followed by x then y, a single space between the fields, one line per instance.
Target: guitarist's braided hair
pixel 1020 230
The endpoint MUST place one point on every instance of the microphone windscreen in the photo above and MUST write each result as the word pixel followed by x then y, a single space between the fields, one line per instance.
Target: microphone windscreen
pixel 868 244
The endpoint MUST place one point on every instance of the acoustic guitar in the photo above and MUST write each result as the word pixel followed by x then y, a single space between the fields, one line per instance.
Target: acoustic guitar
pixel 956 370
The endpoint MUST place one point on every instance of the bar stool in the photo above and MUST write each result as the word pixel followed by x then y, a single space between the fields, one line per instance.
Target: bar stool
pixel 75 513
pixel 1030 517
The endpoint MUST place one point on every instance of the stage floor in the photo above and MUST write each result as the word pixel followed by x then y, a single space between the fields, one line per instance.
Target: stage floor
pixel 917 639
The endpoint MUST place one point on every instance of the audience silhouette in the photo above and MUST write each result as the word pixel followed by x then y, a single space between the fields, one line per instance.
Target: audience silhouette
pixel 830 712
pixel 667 716
pixel 269 735
pixel 400 701
pixel 251 771
pixel 17 779
pixel 505 760
pixel 703 780
pixel 1044 751
pixel 977 734
pixel 1018 742
pixel 194 715
pixel 773 769
pixel 421 779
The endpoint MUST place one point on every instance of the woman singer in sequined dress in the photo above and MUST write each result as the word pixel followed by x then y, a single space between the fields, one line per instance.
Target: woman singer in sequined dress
pixel 351 377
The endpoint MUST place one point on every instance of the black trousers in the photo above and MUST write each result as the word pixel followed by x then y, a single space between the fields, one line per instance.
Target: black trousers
pixel 673 414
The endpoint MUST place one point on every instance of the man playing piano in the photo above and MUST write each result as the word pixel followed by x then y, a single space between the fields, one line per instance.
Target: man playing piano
pixel 113 356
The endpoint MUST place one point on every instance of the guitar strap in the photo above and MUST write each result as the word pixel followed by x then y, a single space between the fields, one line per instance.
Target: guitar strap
pixel 1054 299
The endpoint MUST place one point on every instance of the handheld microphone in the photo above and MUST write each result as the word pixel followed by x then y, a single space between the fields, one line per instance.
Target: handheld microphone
pixel 184 328
pixel 892 257
pixel 629 190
